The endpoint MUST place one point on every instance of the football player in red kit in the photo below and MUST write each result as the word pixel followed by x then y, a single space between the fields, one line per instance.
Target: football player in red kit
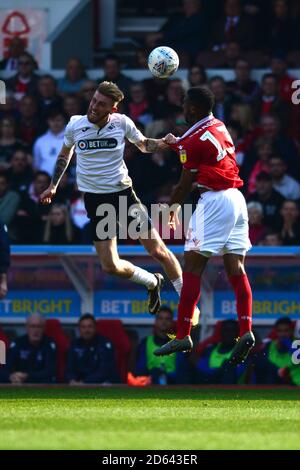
pixel 219 225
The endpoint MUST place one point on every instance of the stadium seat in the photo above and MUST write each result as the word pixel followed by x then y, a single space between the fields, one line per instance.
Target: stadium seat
pixel 213 339
pixel 54 330
pixel 114 331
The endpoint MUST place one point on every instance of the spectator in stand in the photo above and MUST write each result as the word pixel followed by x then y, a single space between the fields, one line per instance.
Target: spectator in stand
pixel 285 81
pixel 9 202
pixel 72 105
pixel 29 124
pixel 32 357
pixel 269 198
pixel 138 106
pixel 15 50
pixel 281 28
pixel 186 32
pixel 66 191
pixel 264 151
pixel 20 172
pixel 26 80
pixel 112 73
pixel 273 365
pixel 9 108
pixel 9 141
pixel 48 98
pixel 87 91
pixel 232 52
pixel 59 229
pixel 4 260
pixel 236 133
pixel 271 239
pixel 91 357
pixel 212 367
pixel 285 184
pixel 257 228
pixel 74 77
pixel 155 90
pixel 234 26
pixel 290 228
pixel 283 145
pixel 163 370
pixel 197 76
pixel 269 101
pixel 173 102
pixel 31 215
pixel 242 87
pixel 48 146
pixel 223 101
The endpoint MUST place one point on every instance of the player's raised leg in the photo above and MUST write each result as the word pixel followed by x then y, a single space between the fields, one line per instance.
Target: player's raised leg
pixel 157 249
pixel 235 269
pixel 194 265
pixel 112 264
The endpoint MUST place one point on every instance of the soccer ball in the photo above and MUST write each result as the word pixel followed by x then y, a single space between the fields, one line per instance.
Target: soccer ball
pixel 163 62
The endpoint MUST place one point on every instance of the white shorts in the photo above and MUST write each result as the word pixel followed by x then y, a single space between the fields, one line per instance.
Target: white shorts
pixel 219 224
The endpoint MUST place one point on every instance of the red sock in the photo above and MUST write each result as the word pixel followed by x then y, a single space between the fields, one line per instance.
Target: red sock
pixel 243 295
pixel 189 297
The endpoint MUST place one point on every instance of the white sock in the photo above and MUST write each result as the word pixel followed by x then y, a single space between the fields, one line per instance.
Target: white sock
pixel 177 283
pixel 141 276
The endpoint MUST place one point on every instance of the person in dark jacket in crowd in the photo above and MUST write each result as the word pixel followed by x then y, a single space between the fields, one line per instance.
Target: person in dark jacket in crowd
pixel 4 260
pixel 91 357
pixel 32 357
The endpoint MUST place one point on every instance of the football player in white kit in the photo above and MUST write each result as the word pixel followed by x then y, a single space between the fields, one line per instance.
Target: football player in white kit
pixel 102 175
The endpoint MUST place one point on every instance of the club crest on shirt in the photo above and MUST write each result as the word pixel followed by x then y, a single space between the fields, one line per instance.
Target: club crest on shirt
pixel 183 155
pixel 102 144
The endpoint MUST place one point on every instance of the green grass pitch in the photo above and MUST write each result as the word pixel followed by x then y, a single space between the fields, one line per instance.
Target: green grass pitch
pixel 152 419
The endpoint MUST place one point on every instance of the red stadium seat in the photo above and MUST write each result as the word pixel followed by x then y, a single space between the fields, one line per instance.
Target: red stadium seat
pixel 213 339
pixel 54 330
pixel 114 331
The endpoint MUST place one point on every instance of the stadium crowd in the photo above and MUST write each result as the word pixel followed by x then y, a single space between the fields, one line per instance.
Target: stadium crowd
pixel 261 118
pixel 91 358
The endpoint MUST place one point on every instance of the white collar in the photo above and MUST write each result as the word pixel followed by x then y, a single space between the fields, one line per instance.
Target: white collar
pixel 198 124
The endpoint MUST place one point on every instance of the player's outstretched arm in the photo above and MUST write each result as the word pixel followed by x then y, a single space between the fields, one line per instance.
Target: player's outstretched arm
pixel 61 165
pixel 152 145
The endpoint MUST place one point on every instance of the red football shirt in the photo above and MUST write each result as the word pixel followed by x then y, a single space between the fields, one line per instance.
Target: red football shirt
pixel 207 150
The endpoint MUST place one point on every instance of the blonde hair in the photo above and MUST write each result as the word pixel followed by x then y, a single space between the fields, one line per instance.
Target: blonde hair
pixel 111 90
pixel 68 224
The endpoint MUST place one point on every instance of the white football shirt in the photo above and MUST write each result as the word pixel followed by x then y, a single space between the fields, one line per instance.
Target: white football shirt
pixel 100 167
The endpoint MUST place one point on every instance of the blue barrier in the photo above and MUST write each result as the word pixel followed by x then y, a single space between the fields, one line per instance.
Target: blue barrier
pixel 87 250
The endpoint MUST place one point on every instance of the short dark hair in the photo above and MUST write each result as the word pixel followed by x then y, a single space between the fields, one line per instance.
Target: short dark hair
pixel 53 113
pixel 113 57
pixel 111 90
pixel 263 176
pixel 202 97
pixel 87 316
pixel 284 321
pixel 165 308
pixel 269 75
pixel 42 173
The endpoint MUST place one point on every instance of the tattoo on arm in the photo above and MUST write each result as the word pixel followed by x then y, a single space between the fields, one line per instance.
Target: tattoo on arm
pixel 151 145
pixel 61 165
